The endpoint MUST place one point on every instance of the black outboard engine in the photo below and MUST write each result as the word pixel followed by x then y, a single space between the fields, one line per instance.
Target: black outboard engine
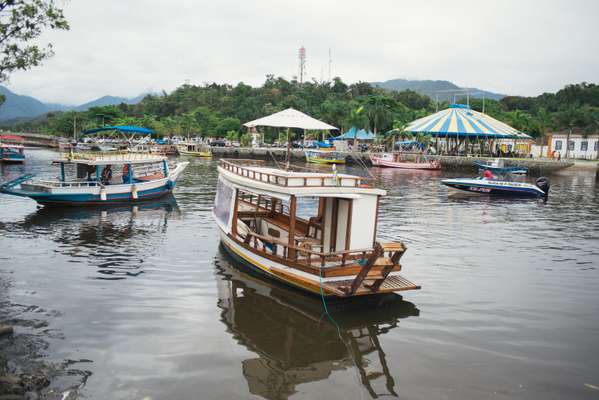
pixel 543 184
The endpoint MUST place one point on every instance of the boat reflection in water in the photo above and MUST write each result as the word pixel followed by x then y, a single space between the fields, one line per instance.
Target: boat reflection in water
pixel 114 239
pixel 296 342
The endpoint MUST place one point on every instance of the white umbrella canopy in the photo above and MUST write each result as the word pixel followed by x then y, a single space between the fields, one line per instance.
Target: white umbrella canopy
pixel 290 118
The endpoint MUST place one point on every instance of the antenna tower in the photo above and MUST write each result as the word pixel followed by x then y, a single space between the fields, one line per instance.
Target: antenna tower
pixel 302 64
pixel 330 62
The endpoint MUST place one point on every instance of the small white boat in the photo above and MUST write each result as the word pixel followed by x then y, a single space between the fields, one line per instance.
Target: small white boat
pixel 194 149
pixel 136 177
pixel 13 151
pixel 498 166
pixel 398 160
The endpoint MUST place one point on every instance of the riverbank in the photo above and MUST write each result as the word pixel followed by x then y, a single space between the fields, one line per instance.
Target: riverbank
pixel 458 163
pixel 535 166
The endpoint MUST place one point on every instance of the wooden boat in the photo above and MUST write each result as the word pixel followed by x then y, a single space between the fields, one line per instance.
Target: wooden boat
pixel 11 149
pixel 398 160
pixel 324 157
pixel 497 166
pixel 500 188
pixel 194 150
pixel 137 177
pixel 331 250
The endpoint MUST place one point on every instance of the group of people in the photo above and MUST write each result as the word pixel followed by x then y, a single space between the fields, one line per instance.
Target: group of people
pixel 106 174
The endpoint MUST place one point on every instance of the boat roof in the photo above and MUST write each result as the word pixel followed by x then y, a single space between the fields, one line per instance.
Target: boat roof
pixel 12 137
pixel 136 130
pixel 253 176
pixel 109 158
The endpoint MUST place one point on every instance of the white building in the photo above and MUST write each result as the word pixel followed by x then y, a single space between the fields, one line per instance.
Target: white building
pixel 579 146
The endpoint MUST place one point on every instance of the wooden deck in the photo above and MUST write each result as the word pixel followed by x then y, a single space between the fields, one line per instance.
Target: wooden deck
pixel 394 283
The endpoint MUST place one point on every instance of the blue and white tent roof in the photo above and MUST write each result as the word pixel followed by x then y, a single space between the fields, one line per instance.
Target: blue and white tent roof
pixel 460 120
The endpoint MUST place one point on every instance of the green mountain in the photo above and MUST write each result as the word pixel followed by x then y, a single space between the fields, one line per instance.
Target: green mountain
pixel 109 101
pixel 434 88
pixel 19 107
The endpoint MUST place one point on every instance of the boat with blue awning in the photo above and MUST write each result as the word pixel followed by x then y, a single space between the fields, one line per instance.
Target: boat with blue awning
pixel 101 178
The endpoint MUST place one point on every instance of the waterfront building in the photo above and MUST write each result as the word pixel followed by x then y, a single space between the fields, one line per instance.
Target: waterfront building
pixel 579 146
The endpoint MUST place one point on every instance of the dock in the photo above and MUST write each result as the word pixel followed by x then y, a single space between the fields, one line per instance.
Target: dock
pixel 457 163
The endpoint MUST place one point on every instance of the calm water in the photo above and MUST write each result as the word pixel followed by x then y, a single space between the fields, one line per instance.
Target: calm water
pixel 143 302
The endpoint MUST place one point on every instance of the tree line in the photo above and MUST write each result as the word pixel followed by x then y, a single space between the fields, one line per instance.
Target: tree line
pixel 220 109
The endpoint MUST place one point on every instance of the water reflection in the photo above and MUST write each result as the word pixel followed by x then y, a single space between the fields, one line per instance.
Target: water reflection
pixel 294 340
pixel 115 239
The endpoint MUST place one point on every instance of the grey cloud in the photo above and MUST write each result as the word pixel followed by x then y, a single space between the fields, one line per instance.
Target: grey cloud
pixel 128 47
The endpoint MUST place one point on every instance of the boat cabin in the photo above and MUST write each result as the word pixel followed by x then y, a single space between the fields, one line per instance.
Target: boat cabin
pixel 304 226
pixel 111 168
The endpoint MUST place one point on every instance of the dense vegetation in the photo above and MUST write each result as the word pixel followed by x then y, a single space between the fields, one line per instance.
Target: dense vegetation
pixel 219 110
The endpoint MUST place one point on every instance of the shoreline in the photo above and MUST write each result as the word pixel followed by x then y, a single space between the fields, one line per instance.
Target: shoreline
pixel 536 166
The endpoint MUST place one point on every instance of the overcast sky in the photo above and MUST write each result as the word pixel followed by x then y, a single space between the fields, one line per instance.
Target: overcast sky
pixel 128 47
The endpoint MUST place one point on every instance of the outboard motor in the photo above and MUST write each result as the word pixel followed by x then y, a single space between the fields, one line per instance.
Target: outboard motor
pixel 543 184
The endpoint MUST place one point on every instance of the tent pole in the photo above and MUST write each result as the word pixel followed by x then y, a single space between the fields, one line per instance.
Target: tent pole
pixel 288 149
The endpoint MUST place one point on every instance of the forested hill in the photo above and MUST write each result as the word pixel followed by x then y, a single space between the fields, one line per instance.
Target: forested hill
pixel 433 89
pixel 220 109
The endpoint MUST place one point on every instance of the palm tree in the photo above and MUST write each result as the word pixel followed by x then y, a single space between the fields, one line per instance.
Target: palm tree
pixel 544 120
pixel 568 119
pixel 398 129
pixel 378 112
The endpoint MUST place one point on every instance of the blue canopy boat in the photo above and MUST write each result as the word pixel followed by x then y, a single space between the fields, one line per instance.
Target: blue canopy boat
pixel 140 177
pixel 497 166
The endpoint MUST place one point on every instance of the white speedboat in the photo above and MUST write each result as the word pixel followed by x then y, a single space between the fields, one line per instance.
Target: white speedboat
pixel 500 188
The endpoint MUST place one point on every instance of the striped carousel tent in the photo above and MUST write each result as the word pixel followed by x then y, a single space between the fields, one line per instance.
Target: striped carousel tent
pixel 460 121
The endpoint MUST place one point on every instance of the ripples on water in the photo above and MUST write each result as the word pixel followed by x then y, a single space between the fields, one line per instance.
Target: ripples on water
pixel 146 297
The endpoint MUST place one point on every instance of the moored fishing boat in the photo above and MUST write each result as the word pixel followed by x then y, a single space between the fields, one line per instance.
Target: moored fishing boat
pixel 498 166
pixel 399 160
pixel 13 151
pixel 328 248
pixel 87 179
pixel 194 149
pixel 324 157
pixel 500 188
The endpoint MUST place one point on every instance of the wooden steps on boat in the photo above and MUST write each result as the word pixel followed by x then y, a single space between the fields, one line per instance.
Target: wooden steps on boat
pixel 393 283
pixel 397 246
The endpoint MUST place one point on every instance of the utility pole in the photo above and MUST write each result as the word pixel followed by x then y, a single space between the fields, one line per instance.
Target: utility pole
pixel 75 129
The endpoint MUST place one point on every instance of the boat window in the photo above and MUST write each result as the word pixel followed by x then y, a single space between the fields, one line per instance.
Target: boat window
pixel 596 145
pixel 570 145
pixel 306 207
pixel 584 145
pixel 558 145
pixel 222 202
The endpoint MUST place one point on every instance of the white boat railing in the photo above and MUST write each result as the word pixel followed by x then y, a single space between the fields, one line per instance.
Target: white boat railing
pixel 49 183
pixel 112 156
pixel 246 168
